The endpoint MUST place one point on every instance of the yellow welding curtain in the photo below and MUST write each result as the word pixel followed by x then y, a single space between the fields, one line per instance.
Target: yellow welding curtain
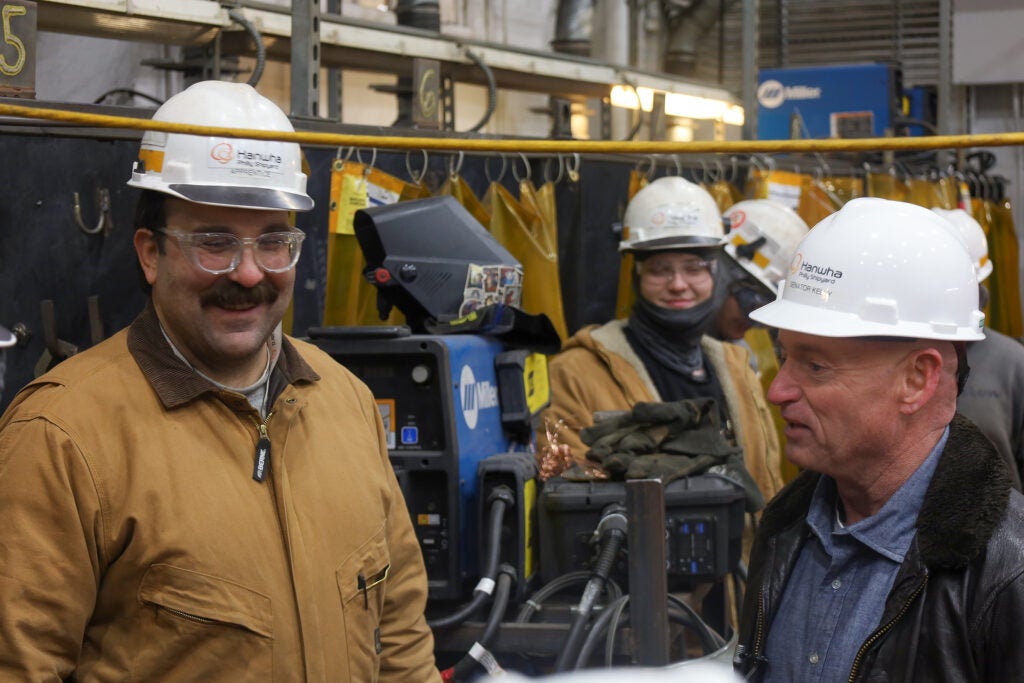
pixel 457 187
pixel 725 194
pixel 933 192
pixel 528 229
pixel 886 186
pixel 822 196
pixel 1004 307
pixel 350 299
pixel 763 349
pixel 624 300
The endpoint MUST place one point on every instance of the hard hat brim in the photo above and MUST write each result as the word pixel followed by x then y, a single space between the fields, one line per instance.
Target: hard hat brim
pixel 787 315
pixel 676 242
pixel 243 197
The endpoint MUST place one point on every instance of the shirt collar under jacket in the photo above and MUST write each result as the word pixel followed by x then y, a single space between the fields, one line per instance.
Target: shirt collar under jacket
pixel 890 531
pixel 175 382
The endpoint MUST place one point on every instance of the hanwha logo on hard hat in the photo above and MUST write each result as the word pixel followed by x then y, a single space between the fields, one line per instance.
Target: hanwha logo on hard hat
pixel 736 218
pixel 797 261
pixel 222 152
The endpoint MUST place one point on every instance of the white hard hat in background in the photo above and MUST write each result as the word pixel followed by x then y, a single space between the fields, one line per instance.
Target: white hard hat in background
pixel 671 213
pixel 243 173
pixel 973 236
pixel 762 239
pixel 879 267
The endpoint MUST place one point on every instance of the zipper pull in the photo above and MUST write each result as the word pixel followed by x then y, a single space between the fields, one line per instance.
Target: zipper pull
pixel 259 469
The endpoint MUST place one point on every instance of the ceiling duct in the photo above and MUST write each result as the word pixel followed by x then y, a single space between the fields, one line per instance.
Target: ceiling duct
pixel 574 26
pixel 688 23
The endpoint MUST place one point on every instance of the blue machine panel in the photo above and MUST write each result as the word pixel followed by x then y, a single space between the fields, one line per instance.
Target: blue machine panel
pixel 843 101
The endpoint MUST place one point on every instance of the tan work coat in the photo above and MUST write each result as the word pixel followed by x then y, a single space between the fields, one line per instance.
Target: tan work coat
pixel 136 545
pixel 598 370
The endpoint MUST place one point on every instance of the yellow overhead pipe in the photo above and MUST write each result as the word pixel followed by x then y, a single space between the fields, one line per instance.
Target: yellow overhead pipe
pixel 519 145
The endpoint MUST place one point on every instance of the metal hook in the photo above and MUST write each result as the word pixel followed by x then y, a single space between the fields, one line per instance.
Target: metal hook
pixel 526 165
pixel 373 160
pixel 645 167
pixel 679 165
pixel 106 220
pixel 573 167
pixel 453 166
pixel 547 169
pixel 704 173
pixel 501 173
pixel 719 169
pixel 733 170
pixel 417 178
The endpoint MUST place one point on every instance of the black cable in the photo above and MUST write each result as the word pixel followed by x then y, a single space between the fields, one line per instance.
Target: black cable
pixel 492 91
pixel 128 91
pixel 710 639
pixel 501 498
pixel 612 530
pixel 261 51
pixel 555 586
pixel 466 665
pixel 614 617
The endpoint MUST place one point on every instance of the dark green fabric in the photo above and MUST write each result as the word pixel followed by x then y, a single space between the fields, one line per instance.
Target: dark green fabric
pixel 667 441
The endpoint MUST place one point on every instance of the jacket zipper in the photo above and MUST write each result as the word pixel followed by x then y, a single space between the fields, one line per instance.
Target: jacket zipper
pixel 261 463
pixel 884 629
pixel 190 617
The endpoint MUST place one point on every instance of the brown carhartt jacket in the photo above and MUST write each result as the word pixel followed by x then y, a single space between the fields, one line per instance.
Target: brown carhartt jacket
pixel 137 546
pixel 597 370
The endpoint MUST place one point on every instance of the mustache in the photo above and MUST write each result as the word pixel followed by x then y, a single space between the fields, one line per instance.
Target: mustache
pixel 232 294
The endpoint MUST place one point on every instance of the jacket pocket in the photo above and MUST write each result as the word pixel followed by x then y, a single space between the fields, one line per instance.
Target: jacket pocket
pixel 362 584
pixel 193 626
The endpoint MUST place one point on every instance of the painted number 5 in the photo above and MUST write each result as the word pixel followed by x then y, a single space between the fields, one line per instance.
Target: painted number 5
pixel 6 68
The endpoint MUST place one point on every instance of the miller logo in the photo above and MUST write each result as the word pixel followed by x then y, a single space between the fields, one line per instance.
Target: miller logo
pixel 475 396
pixel 771 94
pixel 222 152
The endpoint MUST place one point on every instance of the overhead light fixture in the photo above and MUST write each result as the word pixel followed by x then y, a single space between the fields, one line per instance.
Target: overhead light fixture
pixel 678 104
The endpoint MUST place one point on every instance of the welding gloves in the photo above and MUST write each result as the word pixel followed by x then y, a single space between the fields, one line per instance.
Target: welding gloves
pixel 668 441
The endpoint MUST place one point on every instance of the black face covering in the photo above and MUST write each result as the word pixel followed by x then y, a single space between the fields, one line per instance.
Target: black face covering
pixel 673 336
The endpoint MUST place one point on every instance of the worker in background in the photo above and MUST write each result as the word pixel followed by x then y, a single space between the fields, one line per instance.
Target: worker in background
pixel 762 239
pixel 661 353
pixel 201 497
pixel 898 553
pixel 994 397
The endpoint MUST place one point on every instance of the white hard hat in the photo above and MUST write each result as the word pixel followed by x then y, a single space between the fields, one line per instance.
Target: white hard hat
pixel 879 267
pixel 253 174
pixel 671 213
pixel 973 236
pixel 762 239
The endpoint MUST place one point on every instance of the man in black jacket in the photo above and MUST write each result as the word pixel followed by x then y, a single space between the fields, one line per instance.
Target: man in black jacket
pixel 898 554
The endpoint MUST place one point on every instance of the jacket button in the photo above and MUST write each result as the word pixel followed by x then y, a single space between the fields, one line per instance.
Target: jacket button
pixel 813 659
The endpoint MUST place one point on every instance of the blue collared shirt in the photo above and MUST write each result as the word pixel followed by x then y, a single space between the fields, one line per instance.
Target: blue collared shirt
pixel 836 593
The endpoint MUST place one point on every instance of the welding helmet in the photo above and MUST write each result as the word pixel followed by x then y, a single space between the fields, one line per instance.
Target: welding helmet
pixel 763 235
pixel 973 236
pixel 671 213
pixel 234 172
pixel 879 267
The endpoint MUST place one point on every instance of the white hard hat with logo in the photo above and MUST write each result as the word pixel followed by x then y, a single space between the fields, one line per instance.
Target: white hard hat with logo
pixel 763 235
pixel 973 236
pixel 671 213
pixel 243 173
pixel 882 268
